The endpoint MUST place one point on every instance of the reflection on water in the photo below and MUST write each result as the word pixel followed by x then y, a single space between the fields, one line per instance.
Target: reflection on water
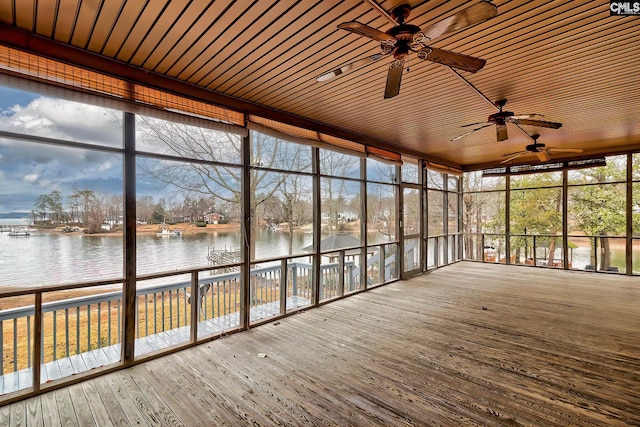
pixel 50 258
pixel 47 258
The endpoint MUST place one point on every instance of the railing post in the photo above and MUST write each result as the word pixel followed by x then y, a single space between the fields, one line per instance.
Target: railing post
pixel 382 265
pixel 350 282
pixel 108 326
pixel 55 334
pixel 195 299
pixel 341 272
pixel 37 340
pixel 283 286
pixel 78 330
pixel 15 344
pixel 99 344
pixel 294 279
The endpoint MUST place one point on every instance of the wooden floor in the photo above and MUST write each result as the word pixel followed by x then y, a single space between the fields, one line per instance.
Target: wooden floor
pixel 469 344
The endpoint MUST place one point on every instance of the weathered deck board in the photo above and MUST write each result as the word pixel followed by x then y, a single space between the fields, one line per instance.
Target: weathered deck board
pixel 66 410
pixel 469 344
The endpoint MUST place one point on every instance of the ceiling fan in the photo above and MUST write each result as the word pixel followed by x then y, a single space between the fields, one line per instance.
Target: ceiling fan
pixel 403 39
pixel 540 150
pixel 501 118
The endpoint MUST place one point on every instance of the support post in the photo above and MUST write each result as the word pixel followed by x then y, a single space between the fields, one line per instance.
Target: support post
pixel 245 290
pixel 565 218
pixel 129 291
pixel 629 228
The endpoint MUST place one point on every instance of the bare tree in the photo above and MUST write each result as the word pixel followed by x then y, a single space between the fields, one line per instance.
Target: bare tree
pixel 214 171
pixel 334 191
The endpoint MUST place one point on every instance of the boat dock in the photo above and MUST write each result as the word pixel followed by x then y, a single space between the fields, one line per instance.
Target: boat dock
pixel 15 230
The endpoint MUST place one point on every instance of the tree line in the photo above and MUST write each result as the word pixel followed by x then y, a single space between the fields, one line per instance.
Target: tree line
pixel 597 201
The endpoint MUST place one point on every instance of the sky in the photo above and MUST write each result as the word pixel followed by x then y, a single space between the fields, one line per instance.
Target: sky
pixel 28 170
pixel 10 97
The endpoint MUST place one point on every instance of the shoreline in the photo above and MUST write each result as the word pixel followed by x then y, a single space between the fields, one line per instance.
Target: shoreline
pixel 144 229
pixel 147 229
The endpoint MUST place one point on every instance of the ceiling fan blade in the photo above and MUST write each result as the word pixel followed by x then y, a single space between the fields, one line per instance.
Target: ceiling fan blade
pixel 471 131
pixel 542 155
pixel 452 59
pixel 365 30
pixel 475 14
pixel 564 150
pixel 540 123
pixel 501 132
pixel 527 116
pixel 349 67
pixel 476 124
pixel 514 156
pixel 394 78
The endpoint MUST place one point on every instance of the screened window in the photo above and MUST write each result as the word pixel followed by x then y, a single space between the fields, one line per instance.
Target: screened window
pixel 69 202
pixel 159 136
pixel 339 164
pixel 55 118
pixel 381 172
pixel 340 213
pixel 381 215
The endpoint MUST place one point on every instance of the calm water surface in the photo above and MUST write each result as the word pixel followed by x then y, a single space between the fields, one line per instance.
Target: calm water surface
pixel 51 258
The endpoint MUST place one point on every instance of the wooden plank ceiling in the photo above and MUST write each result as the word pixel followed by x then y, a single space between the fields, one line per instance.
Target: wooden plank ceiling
pixel 568 60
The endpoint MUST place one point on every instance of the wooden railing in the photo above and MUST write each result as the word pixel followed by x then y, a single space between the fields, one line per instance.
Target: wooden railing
pixel 585 252
pixel 76 325
pixel 81 333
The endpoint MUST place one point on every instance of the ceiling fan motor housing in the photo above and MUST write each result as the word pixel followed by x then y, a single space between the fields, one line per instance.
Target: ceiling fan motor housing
pixel 403 32
pixel 500 117
pixel 535 147
pixel 403 35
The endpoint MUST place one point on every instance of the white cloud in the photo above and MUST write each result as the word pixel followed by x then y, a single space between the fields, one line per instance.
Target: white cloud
pixel 62 119
pixel 105 166
pixel 32 177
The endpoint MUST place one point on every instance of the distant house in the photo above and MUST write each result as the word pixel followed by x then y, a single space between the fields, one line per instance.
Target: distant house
pixel 347 216
pixel 213 218
pixel 344 216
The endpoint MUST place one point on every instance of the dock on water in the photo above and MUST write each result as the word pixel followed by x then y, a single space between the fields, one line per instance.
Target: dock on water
pixel 15 230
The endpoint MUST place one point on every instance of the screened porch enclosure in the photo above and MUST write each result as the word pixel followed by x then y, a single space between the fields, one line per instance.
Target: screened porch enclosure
pixel 158 222
pixel 579 218
pixel 177 230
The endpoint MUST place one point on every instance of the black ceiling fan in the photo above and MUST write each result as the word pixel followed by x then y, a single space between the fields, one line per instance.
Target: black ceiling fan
pixel 403 39
pixel 501 118
pixel 540 150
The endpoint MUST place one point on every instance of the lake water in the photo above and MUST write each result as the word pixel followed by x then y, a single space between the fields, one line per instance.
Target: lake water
pixel 51 258
pixel 46 258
